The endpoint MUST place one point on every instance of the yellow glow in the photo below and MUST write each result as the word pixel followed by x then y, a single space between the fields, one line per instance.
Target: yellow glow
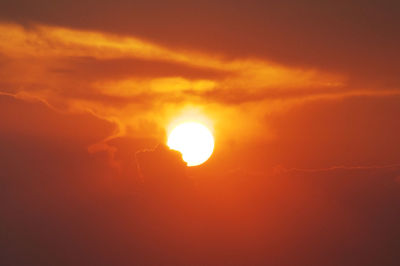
pixel 193 140
pixel 129 87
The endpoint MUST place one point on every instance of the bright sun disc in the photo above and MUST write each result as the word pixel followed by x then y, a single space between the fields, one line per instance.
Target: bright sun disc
pixel 193 140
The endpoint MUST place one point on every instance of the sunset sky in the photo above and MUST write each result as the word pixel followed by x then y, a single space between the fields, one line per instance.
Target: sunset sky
pixel 302 98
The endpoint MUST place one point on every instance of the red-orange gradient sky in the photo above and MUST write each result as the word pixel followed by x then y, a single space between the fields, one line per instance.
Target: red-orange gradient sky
pixel 303 98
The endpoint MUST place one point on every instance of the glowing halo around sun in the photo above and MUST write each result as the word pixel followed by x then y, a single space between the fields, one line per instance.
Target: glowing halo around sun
pixel 193 140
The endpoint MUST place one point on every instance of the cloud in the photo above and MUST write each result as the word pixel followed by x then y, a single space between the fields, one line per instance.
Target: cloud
pixel 73 208
pixel 24 116
pixel 130 82
pixel 362 43
pixel 142 86
pixel 169 165
pixel 124 79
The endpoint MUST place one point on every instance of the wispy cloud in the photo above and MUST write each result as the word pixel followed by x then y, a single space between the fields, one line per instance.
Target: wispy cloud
pixel 127 80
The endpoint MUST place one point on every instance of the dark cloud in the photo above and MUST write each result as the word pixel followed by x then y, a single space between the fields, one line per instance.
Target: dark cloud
pixel 162 166
pixel 239 96
pixel 355 37
pixel 114 69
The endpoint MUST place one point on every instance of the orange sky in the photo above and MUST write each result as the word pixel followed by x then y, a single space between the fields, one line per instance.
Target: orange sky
pixel 303 98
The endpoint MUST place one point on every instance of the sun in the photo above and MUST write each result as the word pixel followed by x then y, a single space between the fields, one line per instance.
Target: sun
pixel 193 140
